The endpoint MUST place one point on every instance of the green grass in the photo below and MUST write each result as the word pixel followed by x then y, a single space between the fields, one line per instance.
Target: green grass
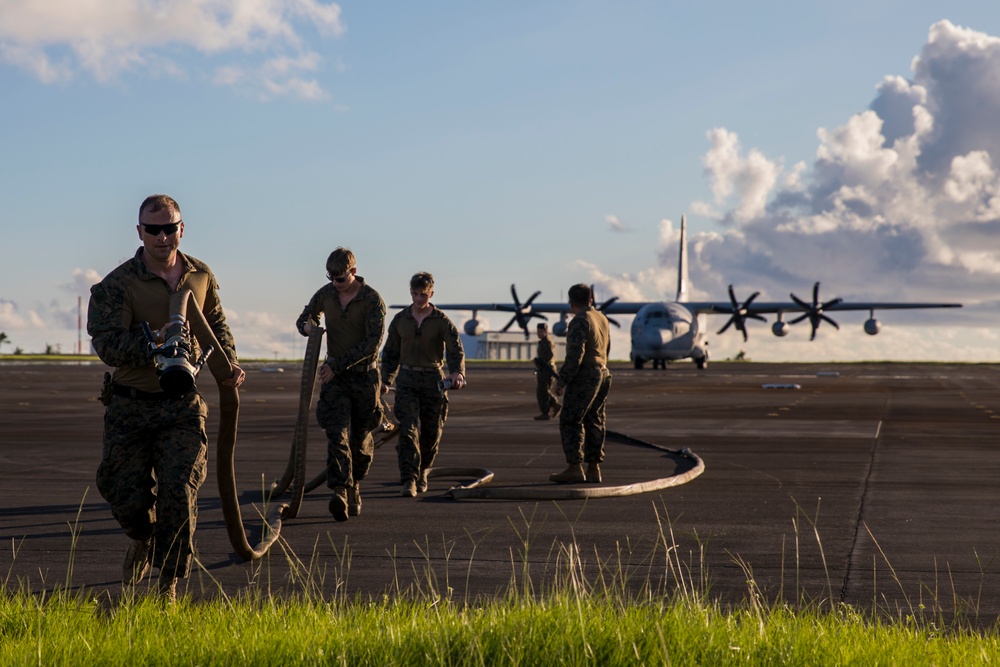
pixel 577 611
pixel 562 629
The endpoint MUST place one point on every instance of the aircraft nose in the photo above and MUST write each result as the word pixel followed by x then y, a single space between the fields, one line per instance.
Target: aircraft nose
pixel 659 337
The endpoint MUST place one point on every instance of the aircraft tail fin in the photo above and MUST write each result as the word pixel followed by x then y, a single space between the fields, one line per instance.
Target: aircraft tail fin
pixel 682 266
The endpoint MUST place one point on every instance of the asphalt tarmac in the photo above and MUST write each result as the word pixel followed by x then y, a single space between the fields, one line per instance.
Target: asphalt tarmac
pixel 868 484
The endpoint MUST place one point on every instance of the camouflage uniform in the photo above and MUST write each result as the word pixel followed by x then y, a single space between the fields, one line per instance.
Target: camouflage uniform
pixel 349 407
pixel 417 355
pixel 587 380
pixel 154 458
pixel 545 374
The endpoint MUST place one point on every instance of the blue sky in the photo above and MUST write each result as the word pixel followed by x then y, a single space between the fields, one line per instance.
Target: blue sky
pixel 540 143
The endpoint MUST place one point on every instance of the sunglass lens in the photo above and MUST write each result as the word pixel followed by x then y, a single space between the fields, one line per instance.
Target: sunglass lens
pixel 154 230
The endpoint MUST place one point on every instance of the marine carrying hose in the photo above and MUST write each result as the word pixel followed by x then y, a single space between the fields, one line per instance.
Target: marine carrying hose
pixel 294 476
pixel 229 409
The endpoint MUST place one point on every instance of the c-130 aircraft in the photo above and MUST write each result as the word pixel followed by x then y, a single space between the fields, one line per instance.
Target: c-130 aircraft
pixel 671 330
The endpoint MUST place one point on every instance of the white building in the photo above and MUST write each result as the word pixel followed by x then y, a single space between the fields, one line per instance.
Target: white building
pixel 500 346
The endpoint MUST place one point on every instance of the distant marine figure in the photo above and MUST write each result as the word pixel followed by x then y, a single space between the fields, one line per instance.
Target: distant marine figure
pixel 545 375
pixel 584 381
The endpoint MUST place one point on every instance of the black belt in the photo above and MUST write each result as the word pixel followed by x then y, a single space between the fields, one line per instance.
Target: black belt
pixel 131 392
pixel 364 367
pixel 421 369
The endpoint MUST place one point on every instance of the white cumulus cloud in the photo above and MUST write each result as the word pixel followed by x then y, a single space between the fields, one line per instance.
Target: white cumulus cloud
pixel 264 40
pixel 901 203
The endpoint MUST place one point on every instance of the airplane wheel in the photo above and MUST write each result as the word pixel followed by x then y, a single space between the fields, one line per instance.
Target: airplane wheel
pixel 701 363
pixel 639 362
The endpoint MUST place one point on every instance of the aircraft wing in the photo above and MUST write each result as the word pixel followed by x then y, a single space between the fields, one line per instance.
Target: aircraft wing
pixel 501 307
pixel 764 307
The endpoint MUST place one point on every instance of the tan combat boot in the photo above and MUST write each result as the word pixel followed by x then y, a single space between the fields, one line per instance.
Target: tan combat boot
pixel 168 589
pixel 572 474
pixel 136 565
pixel 354 499
pixel 409 489
pixel 594 472
pixel 422 481
pixel 338 504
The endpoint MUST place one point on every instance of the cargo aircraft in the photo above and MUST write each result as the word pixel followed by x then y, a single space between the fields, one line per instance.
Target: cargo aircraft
pixel 665 331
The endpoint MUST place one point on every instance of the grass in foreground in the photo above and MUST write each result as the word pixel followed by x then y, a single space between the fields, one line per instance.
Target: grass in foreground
pixel 577 613
pixel 561 630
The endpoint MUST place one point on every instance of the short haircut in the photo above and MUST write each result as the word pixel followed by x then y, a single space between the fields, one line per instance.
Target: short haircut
pixel 154 203
pixel 422 281
pixel 542 326
pixel 580 295
pixel 339 262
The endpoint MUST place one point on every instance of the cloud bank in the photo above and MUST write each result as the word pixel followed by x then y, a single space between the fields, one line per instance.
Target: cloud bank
pixel 258 45
pixel 902 202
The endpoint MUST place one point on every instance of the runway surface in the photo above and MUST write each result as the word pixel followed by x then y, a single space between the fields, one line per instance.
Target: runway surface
pixel 870 484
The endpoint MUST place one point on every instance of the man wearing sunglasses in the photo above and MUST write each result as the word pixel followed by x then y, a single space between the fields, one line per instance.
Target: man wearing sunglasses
pixel 349 408
pixel 155 445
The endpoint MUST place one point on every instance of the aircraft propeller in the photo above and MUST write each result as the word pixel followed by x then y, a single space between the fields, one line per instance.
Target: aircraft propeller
pixel 523 312
pixel 604 305
pixel 740 315
pixel 814 311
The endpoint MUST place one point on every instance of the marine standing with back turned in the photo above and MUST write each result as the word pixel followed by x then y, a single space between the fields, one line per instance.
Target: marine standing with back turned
pixel 349 406
pixel 545 374
pixel 585 380
pixel 420 342
pixel 155 445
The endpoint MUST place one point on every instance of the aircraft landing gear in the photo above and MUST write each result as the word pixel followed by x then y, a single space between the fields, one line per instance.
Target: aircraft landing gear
pixel 701 363
pixel 639 362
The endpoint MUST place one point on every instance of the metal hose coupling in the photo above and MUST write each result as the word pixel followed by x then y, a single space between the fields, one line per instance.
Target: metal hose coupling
pixel 174 366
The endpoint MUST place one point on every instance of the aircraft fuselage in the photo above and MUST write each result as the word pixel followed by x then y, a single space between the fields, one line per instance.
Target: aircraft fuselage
pixel 667 331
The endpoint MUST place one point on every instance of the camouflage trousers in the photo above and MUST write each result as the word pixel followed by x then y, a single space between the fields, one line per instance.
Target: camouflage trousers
pixel 349 410
pixel 584 410
pixel 547 401
pixel 153 463
pixel 421 409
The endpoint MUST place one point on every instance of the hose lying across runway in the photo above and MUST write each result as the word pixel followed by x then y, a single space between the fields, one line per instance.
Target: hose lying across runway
pixel 563 492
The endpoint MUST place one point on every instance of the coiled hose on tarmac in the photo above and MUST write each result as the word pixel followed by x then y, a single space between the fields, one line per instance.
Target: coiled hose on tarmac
pixel 695 466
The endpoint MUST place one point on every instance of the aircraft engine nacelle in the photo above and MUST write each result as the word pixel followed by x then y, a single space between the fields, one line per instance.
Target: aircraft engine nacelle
pixel 780 329
pixel 559 328
pixel 473 327
pixel 872 326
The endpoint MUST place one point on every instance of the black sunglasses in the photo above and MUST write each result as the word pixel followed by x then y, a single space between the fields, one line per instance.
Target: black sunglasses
pixel 341 278
pixel 154 230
